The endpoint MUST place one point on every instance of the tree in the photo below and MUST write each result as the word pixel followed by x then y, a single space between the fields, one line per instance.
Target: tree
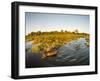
pixel 39 32
pixel 32 33
pixel 76 31
pixel 66 31
pixel 62 31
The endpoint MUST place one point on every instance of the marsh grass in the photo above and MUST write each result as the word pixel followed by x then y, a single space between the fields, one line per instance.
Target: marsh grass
pixel 48 42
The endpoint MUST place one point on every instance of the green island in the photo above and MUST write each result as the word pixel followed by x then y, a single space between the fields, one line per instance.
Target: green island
pixel 49 42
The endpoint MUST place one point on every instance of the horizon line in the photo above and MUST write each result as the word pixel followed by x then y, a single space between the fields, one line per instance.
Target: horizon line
pixel 59 31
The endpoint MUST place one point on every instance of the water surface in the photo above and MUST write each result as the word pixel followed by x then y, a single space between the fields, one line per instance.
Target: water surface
pixel 73 53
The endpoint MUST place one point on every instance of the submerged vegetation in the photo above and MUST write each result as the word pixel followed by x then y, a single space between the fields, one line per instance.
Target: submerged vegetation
pixel 49 42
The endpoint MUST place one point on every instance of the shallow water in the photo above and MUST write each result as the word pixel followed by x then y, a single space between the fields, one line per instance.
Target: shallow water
pixel 68 55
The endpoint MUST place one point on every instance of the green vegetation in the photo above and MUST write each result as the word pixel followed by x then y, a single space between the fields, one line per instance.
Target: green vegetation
pixel 49 41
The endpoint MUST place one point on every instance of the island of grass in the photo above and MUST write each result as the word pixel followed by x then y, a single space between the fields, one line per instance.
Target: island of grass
pixel 48 42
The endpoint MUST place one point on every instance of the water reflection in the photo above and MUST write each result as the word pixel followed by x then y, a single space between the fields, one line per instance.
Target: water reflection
pixel 73 53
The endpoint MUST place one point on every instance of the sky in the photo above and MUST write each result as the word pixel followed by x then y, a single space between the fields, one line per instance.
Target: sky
pixel 56 22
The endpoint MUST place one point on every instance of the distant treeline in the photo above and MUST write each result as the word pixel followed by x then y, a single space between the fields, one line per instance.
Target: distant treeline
pixel 57 32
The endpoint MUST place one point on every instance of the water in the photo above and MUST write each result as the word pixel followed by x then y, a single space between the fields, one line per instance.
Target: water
pixel 28 44
pixel 74 53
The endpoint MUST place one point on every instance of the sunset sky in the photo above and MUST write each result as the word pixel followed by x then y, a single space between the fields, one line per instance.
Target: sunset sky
pixel 56 22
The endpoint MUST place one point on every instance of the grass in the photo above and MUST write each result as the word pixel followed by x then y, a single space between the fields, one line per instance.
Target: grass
pixel 48 41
